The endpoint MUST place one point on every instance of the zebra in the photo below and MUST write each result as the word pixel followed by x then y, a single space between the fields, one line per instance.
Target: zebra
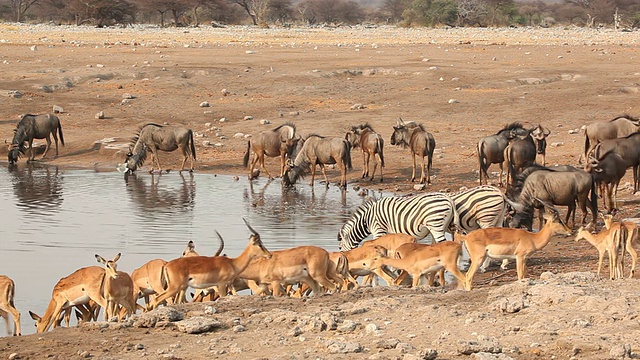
pixel 481 207
pixel 416 215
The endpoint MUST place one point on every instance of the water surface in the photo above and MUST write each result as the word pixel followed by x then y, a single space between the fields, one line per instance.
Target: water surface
pixel 54 220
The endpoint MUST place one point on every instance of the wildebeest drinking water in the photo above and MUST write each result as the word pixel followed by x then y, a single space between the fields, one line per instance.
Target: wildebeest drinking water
pixel 153 137
pixel 276 142
pixel 35 127
pixel 320 150
pixel 371 144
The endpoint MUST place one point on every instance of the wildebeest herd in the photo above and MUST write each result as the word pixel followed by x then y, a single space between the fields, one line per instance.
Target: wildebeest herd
pixel 484 220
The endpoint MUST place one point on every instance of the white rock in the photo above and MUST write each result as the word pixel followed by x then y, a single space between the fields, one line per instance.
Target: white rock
pixel 248 117
pixel 453 101
pixel 265 122
pixel 57 109
pixel 238 135
pixel 100 115
pixel 204 104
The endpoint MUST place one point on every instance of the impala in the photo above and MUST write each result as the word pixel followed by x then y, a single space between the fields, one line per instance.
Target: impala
pixel 117 288
pixel 201 272
pixel 78 288
pixel 7 290
pixel 424 259
pixel 508 243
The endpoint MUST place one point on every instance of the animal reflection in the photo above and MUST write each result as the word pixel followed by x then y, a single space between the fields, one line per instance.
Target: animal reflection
pixel 151 195
pixel 38 189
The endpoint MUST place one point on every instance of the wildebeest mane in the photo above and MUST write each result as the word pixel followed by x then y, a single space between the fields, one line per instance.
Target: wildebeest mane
pixel 626 116
pixel 513 192
pixel 511 126
pixel 288 123
pixel 315 135
pixel 365 126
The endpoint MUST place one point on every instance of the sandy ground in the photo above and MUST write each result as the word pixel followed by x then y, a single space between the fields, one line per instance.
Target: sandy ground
pixel 462 84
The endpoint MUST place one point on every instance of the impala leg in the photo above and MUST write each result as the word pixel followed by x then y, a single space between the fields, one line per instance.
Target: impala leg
pixel 633 253
pixel 521 266
pixel 475 264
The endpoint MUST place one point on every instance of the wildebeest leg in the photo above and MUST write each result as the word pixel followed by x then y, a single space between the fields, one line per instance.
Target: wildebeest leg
pixel 283 162
pixel 184 158
pixel 413 169
pixel 375 167
pixel 32 154
pixel 313 172
pixel 571 209
pixel 422 172
pixel 365 164
pixel 264 168
pixel 324 172
pixel 55 139
pixel 636 169
pixel 343 173
pixel 253 164
pixel 46 149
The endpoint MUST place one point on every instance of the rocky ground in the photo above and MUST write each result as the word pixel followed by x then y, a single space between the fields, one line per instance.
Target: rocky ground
pixel 462 84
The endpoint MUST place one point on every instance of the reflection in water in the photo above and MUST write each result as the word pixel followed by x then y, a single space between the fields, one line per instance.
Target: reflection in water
pixel 39 190
pixel 150 196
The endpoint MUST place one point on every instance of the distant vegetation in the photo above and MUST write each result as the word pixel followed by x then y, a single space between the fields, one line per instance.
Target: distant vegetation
pixel 477 13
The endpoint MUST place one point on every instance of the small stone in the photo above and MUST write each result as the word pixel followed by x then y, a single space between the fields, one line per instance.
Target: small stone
pixel 428 354
pixel 100 65
pixel 204 104
pixel 239 328
pixel 14 356
pixel 248 117
pixel 357 107
pixel 139 347
pixel 128 96
pixel 419 186
pixel 206 143
pixel 225 92
pixel 620 351
pixel 453 101
pixel 265 122
pixel 222 120
pixel 296 331
pixel 57 109
pixel 34 48
pixel 209 310
pixel 207 125
pixel 100 115
pixel 371 328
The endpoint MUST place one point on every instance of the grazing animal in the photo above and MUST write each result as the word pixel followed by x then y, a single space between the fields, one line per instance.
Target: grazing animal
pixel 617 127
pixel 610 240
pixel 35 127
pixel 320 150
pixel 371 144
pixel 521 153
pixel 201 272
pixel 628 148
pixel 153 137
pixel 7 291
pixel 421 143
pixel 117 289
pixel 417 216
pixel 280 141
pixel 80 287
pixel 538 187
pixel 310 265
pixel 424 259
pixel 608 171
pixel 491 148
pixel 508 243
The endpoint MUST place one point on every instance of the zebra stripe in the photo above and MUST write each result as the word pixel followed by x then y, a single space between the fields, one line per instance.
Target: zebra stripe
pixel 480 207
pixel 416 215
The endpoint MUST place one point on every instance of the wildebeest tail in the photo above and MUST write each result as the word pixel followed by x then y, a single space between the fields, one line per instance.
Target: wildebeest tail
pixel 246 155
pixel 193 146
pixel 60 133
pixel 586 145
pixel 379 149
pixel 348 156
pixel 593 200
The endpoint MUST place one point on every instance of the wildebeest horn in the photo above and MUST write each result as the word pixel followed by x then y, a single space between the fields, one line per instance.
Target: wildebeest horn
pixel 516 206
pixel 400 122
pixel 545 131
pixel 250 228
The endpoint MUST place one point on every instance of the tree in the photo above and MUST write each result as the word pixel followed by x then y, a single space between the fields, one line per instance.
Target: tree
pixel 392 9
pixel 279 11
pixel 431 12
pixel 20 7
pixel 250 7
pixel 471 12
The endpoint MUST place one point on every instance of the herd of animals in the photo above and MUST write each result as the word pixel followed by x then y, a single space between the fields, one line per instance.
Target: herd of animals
pixel 487 222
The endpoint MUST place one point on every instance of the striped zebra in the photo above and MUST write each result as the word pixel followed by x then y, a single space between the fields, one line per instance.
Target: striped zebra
pixel 416 215
pixel 481 207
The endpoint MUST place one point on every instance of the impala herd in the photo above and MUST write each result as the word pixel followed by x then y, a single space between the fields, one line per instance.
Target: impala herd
pixel 301 270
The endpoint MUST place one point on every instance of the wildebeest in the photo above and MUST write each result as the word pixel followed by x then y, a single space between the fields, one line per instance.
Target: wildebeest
pixel 629 150
pixel 421 143
pixel 620 126
pixel 491 148
pixel 521 153
pixel 538 187
pixel 371 144
pixel 319 150
pixel 153 137
pixel 539 135
pixel 275 142
pixel 608 170
pixel 35 127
